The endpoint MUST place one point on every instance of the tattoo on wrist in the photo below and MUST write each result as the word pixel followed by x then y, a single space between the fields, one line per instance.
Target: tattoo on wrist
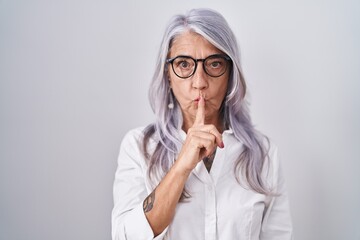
pixel 149 202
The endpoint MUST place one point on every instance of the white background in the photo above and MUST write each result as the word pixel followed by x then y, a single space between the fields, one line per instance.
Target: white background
pixel 74 78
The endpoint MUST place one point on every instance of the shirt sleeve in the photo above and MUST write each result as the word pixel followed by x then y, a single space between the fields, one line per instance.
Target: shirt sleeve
pixel 128 218
pixel 276 224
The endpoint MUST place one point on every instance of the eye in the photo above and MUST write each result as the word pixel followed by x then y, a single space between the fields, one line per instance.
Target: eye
pixel 215 63
pixel 183 63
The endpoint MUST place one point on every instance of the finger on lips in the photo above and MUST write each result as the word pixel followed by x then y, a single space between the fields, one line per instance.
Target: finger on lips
pixel 200 122
pixel 200 114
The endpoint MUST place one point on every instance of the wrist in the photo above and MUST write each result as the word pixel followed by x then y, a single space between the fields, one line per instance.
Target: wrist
pixel 180 169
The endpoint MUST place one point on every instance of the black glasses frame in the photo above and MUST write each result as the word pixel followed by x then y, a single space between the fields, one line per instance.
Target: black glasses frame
pixel 203 60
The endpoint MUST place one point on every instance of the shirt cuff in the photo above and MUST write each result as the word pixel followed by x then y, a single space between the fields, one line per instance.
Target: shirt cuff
pixel 138 227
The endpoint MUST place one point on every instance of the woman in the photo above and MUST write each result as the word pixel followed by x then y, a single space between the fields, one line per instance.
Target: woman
pixel 201 171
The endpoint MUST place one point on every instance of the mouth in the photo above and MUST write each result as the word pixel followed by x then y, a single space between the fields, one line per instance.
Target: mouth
pixel 198 98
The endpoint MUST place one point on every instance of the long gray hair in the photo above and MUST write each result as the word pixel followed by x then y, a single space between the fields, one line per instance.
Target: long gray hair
pixel 234 110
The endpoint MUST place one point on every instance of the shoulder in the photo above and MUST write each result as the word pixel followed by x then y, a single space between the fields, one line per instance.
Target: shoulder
pixel 272 165
pixel 131 150
pixel 272 149
pixel 134 135
pixel 132 141
pixel 136 139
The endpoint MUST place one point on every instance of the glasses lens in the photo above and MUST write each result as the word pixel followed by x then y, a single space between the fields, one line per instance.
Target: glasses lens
pixel 215 65
pixel 183 66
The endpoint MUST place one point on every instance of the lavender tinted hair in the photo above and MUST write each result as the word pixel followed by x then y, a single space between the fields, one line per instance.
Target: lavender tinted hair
pixel 235 114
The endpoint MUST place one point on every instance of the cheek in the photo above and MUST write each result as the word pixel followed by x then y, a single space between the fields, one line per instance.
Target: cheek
pixel 220 94
pixel 180 89
pixel 221 90
pixel 180 93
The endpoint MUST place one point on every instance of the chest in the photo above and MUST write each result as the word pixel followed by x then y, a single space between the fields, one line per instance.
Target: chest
pixel 218 208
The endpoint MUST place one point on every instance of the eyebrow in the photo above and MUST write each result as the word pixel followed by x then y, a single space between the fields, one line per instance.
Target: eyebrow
pixel 185 55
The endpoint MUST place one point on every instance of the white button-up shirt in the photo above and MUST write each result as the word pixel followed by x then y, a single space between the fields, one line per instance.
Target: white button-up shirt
pixel 219 207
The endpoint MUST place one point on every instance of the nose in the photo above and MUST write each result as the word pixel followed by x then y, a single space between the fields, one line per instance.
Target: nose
pixel 199 79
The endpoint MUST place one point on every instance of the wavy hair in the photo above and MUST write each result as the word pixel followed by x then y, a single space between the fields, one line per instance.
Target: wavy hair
pixel 234 110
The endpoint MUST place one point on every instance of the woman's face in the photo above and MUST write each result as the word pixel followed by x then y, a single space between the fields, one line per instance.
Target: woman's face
pixel 188 90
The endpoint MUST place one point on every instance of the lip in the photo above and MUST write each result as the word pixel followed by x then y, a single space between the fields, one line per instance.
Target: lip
pixel 198 97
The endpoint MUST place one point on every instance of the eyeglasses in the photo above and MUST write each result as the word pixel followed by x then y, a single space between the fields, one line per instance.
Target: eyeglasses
pixel 185 66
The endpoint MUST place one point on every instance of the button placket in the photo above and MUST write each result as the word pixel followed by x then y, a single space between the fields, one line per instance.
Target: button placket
pixel 210 210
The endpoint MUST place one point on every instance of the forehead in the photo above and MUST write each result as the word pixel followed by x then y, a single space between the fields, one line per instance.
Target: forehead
pixel 192 44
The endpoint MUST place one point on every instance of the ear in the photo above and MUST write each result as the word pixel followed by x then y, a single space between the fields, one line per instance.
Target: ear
pixel 169 79
pixel 168 76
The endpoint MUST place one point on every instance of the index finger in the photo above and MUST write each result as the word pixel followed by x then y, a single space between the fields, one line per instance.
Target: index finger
pixel 200 114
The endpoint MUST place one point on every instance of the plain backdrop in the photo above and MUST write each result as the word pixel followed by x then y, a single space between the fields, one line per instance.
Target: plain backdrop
pixel 73 80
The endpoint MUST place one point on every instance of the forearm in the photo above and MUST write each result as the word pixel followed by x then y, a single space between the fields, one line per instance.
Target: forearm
pixel 201 141
pixel 159 206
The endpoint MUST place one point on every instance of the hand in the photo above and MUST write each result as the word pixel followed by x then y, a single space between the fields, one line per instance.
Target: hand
pixel 201 140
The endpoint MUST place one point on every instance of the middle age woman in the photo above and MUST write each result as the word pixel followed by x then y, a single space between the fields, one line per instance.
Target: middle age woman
pixel 201 171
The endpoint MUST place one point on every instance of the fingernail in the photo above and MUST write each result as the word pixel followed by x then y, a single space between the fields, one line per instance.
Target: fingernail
pixel 222 145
